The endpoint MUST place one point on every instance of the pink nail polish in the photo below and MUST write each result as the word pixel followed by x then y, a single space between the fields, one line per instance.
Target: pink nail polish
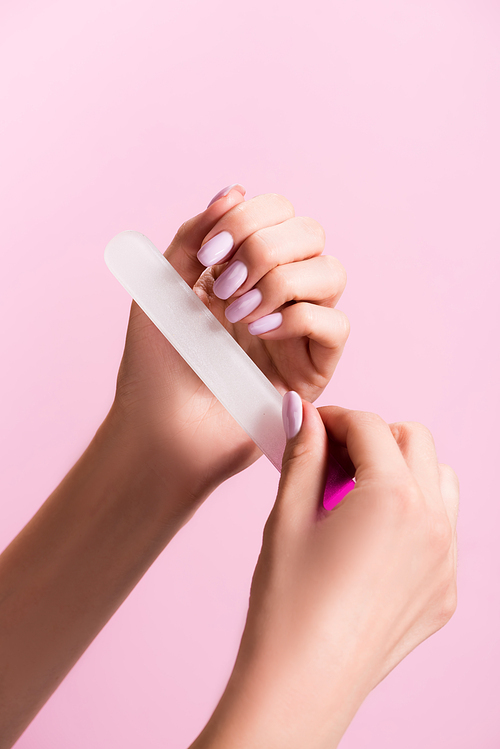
pixel 244 305
pixel 231 280
pixel 292 413
pixel 226 190
pixel 338 483
pixel 216 249
pixel 265 324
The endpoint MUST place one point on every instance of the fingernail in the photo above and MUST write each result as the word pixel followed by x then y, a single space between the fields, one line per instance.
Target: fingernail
pixel 231 280
pixel 265 324
pixel 244 305
pixel 292 413
pixel 226 191
pixel 216 249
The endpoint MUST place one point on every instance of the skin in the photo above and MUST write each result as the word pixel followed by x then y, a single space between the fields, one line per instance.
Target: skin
pixel 159 396
pixel 164 446
pixel 338 599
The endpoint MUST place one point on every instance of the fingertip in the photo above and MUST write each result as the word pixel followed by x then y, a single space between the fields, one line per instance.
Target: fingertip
pixel 305 458
pixel 311 420
pixel 301 419
pixel 292 414
pixel 266 324
pixel 225 192
pixel 192 236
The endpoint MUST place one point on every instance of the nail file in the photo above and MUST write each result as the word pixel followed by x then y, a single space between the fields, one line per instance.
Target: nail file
pixel 208 348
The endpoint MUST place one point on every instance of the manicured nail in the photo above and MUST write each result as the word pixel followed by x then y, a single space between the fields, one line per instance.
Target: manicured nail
pixel 216 249
pixel 231 280
pixel 265 324
pixel 226 191
pixel 244 305
pixel 292 413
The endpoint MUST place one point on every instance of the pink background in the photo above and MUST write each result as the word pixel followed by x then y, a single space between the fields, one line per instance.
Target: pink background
pixel 382 121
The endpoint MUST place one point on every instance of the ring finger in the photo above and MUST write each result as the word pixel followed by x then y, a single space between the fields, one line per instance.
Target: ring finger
pixel 320 279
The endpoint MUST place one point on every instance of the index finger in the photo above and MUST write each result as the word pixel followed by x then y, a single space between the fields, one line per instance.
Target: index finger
pixel 181 252
pixel 368 439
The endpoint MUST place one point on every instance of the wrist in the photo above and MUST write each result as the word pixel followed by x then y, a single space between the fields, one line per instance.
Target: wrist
pixel 137 469
pixel 282 705
pixel 175 453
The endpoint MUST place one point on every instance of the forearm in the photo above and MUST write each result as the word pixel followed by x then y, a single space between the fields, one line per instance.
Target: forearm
pixel 71 567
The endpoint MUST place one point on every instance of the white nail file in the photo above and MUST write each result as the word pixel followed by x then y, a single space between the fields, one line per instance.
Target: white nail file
pixel 200 339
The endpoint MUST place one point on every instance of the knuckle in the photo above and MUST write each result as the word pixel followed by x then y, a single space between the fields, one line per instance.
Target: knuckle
pixel 243 220
pixel 344 326
pixel 450 602
pixel 365 423
pixel 405 432
pixel 331 263
pixel 182 231
pixel 365 419
pixel 283 203
pixel 261 250
pixel 446 604
pixel 398 430
pixel 303 312
pixel 407 494
pixel 440 535
pixel 279 280
pixel 419 430
pixel 448 473
pixel 295 452
pixel 313 227
pixel 337 274
pixel 342 276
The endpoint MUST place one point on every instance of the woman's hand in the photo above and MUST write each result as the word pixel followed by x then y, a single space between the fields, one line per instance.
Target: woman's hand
pixel 277 258
pixel 338 599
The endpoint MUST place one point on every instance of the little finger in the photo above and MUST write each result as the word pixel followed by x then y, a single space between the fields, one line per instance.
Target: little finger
pixel 327 330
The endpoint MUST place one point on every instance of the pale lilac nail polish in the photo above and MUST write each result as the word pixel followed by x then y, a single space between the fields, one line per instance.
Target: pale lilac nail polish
pixel 231 280
pixel 292 413
pixel 244 305
pixel 216 249
pixel 265 324
pixel 226 190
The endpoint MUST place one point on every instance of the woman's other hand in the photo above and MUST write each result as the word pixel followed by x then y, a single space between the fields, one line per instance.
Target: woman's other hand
pixel 339 598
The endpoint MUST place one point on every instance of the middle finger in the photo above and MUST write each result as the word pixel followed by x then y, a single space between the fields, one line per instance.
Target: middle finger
pixel 297 239
pixel 417 447
pixel 239 223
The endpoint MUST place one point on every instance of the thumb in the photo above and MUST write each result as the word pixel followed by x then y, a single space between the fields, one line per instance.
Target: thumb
pixel 305 458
